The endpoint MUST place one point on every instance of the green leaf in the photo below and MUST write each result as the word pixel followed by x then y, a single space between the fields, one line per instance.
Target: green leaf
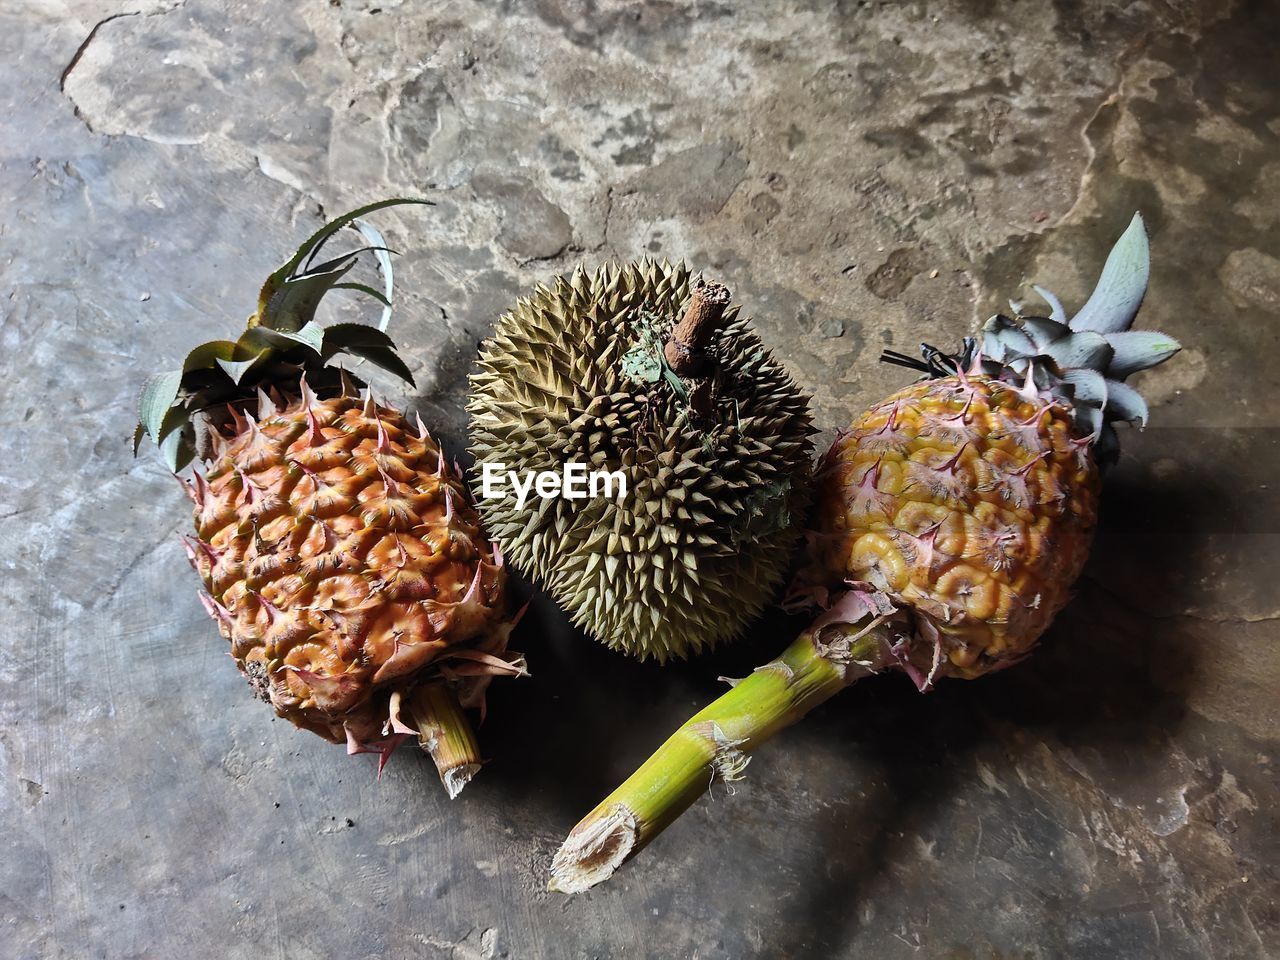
pixel 1085 349
pixel 138 433
pixel 310 335
pixel 318 239
pixel 382 357
pixel 1116 299
pixel 306 253
pixel 1044 331
pixel 294 303
pixel 1125 403
pixel 157 396
pixel 1056 313
pixel 207 355
pixel 236 369
pixel 382 254
pixel 339 260
pixel 176 418
pixel 370 343
pixel 1137 350
pixel 641 365
pixel 342 335
pixel 177 449
pixel 1008 344
pixel 677 386
pixel 364 288
pixel 1088 386
pixel 1088 419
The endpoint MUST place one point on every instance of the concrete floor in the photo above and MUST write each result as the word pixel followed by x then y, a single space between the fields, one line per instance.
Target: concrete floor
pixel 862 174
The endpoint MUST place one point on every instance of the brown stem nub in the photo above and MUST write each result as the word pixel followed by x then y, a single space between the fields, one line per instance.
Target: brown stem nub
pixel 689 338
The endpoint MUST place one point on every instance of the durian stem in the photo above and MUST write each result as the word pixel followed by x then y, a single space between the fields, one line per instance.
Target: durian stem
pixel 445 733
pixel 689 337
pixel 715 741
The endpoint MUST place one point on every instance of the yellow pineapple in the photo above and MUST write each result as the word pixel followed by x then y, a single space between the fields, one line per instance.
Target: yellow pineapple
pixel 969 503
pixel 339 551
pixel 952 519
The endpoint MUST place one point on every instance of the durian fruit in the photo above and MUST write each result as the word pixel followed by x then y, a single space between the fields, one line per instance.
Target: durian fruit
pixel 644 369
pixel 952 519
pixel 338 551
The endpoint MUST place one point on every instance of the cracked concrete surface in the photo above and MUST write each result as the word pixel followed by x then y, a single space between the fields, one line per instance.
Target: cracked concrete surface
pixel 1112 797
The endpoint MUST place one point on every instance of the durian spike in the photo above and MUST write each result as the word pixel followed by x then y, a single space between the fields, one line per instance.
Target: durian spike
pixel 715 742
pixel 445 733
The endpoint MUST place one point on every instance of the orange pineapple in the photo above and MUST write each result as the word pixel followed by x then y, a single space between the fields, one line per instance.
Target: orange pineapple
pixel 339 552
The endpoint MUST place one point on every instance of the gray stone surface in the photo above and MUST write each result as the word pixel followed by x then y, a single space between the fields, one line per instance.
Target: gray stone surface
pixel 863 174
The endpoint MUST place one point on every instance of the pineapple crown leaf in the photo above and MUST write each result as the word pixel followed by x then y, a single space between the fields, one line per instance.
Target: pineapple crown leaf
pixel 1115 300
pixel 305 254
pixel 1056 313
pixel 281 341
pixel 1081 361
pixel 154 405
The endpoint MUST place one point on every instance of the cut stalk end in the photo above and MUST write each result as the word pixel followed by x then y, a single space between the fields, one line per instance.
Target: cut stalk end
pixel 848 642
pixel 446 735
pixel 594 850
pixel 458 777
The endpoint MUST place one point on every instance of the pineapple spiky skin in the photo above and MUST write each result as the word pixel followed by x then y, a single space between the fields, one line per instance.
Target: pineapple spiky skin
pixel 970 503
pixel 344 562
